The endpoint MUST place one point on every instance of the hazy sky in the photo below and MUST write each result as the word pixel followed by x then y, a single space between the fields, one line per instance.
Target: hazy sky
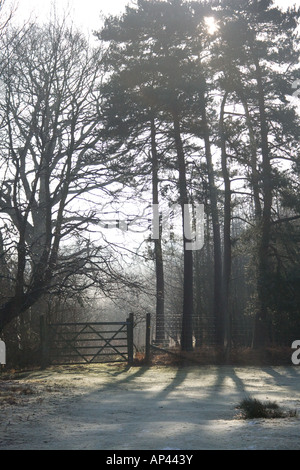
pixel 85 13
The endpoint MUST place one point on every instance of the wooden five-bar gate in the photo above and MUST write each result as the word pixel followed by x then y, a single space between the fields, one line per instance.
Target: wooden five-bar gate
pixel 86 343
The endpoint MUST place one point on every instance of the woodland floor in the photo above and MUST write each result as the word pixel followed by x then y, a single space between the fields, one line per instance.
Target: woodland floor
pixel 113 407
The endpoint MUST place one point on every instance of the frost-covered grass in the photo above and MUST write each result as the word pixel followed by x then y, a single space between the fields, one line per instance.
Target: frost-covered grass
pixel 116 407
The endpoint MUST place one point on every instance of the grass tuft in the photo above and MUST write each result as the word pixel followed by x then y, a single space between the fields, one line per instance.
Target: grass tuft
pixel 251 408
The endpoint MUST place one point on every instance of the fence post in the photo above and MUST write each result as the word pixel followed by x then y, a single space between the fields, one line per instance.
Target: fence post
pixel 44 342
pixel 130 338
pixel 148 332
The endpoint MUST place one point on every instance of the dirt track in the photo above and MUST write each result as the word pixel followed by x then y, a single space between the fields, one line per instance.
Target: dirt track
pixel 159 408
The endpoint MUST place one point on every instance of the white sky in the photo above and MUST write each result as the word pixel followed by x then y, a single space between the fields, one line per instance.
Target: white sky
pixel 85 13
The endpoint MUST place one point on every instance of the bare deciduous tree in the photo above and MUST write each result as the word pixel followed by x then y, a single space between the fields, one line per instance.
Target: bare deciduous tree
pixel 50 159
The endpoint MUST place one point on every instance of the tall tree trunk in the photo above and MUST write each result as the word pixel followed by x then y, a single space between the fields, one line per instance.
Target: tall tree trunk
pixel 159 266
pixel 187 314
pixel 227 235
pixel 218 303
pixel 260 336
pixel 253 155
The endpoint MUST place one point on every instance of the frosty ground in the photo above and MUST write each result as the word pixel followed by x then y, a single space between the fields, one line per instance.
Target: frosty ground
pixel 114 407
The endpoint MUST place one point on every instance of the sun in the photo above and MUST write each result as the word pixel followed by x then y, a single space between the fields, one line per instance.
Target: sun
pixel 211 24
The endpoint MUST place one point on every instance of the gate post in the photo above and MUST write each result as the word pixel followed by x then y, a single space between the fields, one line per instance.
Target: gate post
pixel 44 342
pixel 130 338
pixel 148 331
